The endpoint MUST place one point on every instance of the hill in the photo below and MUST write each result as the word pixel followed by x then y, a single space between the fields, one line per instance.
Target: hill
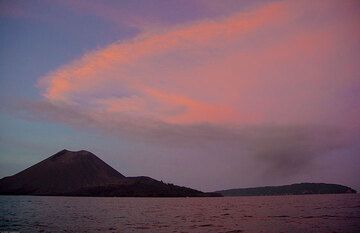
pixel 293 189
pixel 81 173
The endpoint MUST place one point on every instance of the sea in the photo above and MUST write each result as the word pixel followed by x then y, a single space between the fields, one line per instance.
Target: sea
pixel 303 213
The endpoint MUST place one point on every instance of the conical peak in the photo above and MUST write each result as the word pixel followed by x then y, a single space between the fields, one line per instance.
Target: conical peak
pixel 67 154
pixel 65 171
pixel 72 151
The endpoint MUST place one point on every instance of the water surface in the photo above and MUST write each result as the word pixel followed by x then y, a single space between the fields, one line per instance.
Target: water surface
pixel 308 213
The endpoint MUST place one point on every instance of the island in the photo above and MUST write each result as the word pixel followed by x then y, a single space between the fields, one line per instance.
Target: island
pixel 82 173
pixel 292 189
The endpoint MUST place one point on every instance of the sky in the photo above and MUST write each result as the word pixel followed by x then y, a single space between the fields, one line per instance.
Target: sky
pixel 201 93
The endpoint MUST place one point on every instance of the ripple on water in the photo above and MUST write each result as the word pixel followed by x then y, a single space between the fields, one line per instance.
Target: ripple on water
pixel 226 215
pixel 279 216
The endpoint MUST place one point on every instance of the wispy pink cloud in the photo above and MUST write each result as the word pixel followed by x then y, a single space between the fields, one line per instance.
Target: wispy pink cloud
pixel 270 64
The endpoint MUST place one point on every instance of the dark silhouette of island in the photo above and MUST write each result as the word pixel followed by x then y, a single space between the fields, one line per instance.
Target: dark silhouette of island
pixel 293 189
pixel 81 173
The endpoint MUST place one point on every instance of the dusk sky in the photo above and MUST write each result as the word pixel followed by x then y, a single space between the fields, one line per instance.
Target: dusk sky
pixel 206 94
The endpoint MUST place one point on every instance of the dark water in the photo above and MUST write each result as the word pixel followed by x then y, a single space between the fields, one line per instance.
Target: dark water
pixel 311 213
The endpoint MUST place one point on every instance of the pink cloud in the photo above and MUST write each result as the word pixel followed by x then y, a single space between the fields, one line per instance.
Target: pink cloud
pixel 271 64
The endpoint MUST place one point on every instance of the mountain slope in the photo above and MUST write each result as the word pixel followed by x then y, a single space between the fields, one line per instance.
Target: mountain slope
pixel 63 172
pixel 82 173
pixel 293 189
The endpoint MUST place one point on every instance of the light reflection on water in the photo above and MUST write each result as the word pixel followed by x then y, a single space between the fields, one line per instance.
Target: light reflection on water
pixel 309 213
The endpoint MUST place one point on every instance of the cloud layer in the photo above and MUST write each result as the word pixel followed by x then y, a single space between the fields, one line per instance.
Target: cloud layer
pixel 274 63
pixel 232 155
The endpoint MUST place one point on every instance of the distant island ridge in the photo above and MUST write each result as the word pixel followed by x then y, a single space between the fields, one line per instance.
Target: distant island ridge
pixel 81 173
pixel 292 189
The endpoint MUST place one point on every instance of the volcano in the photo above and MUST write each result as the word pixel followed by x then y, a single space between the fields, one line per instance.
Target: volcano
pixel 81 173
